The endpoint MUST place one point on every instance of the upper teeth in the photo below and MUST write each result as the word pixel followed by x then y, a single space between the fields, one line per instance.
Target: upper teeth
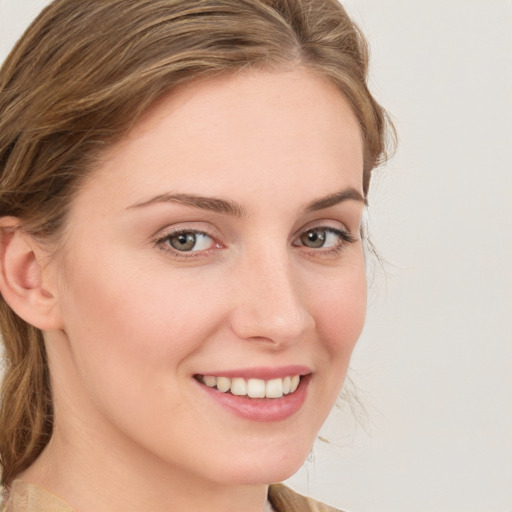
pixel 254 388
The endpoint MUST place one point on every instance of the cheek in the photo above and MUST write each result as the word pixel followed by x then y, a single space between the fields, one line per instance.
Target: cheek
pixel 120 318
pixel 131 335
pixel 340 314
pixel 340 311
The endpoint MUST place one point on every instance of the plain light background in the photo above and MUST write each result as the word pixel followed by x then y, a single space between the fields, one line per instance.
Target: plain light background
pixel 434 365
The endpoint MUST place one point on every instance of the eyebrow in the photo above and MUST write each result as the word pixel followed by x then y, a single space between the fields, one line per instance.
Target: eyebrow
pixel 213 204
pixel 232 208
pixel 348 194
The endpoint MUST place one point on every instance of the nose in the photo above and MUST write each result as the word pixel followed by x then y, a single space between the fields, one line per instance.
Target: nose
pixel 269 301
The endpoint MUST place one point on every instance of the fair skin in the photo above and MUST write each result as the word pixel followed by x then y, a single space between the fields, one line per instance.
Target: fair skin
pixel 148 294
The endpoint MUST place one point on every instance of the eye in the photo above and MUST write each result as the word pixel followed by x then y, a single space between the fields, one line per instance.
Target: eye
pixel 316 238
pixel 188 241
pixel 324 238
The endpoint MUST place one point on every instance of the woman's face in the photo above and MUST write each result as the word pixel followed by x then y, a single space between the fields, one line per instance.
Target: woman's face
pixel 216 248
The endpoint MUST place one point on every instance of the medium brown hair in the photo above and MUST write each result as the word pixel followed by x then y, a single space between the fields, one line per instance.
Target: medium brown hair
pixel 78 80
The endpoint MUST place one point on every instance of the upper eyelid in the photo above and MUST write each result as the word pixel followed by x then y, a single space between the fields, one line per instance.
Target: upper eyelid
pixel 169 234
pixel 332 224
pixel 184 228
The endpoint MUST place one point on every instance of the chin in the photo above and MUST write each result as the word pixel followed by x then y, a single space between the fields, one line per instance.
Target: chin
pixel 266 467
pixel 263 475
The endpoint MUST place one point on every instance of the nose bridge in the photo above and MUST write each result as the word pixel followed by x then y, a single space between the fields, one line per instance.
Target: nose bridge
pixel 269 304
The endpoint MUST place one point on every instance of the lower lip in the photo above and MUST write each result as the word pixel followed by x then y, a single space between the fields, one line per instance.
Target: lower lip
pixel 262 409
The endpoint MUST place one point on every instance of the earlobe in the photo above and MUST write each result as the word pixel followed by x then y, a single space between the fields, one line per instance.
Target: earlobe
pixel 22 282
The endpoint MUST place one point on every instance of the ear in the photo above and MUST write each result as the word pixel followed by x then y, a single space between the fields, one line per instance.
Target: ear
pixel 23 282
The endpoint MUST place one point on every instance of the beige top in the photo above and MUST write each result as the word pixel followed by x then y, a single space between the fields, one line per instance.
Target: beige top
pixel 25 497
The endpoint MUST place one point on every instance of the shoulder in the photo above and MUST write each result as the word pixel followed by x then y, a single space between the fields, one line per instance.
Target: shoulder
pixel 25 497
pixel 283 499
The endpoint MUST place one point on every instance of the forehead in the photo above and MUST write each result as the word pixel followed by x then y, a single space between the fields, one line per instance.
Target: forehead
pixel 252 99
pixel 250 128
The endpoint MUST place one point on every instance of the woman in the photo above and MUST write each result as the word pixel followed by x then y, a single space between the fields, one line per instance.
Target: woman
pixel 182 268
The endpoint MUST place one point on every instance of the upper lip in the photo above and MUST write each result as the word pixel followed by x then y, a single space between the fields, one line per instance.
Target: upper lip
pixel 263 372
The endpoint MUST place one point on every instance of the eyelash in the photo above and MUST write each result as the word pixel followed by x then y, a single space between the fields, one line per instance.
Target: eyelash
pixel 161 242
pixel 344 235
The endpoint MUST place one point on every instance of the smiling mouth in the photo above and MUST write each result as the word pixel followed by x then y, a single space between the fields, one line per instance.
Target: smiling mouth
pixel 252 388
